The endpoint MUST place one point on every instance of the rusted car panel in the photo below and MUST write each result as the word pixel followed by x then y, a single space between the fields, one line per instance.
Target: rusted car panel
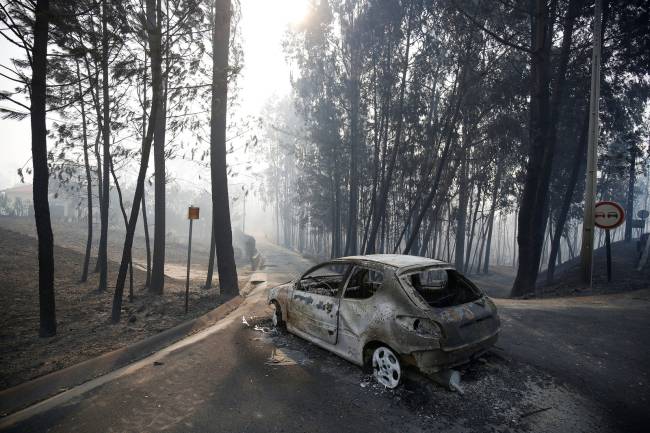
pixel 379 300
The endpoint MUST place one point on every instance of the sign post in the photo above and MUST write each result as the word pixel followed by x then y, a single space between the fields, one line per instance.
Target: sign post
pixel 608 215
pixel 192 214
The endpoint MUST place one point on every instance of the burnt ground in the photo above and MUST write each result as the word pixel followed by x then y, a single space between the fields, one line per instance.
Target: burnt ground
pixel 561 365
pixel 567 364
pixel 625 276
pixel 567 280
pixel 82 312
pixel 500 393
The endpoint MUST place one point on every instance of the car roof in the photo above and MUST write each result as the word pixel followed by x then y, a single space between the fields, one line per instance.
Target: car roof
pixel 395 260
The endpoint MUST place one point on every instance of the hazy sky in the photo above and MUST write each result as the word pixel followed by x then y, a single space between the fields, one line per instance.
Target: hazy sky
pixel 265 74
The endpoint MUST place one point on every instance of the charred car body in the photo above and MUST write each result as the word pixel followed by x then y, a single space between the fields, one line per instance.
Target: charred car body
pixel 388 311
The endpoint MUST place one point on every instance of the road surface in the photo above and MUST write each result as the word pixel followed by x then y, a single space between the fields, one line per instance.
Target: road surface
pixel 242 376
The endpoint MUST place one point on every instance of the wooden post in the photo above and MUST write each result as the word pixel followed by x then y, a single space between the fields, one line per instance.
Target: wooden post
pixel 187 278
pixel 192 214
pixel 587 249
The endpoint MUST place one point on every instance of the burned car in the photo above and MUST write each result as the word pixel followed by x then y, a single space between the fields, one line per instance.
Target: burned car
pixel 386 312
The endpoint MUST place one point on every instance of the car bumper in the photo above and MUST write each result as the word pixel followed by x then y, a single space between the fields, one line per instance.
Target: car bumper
pixel 433 361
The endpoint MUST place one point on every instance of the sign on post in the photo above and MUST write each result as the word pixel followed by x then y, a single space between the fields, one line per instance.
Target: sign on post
pixel 192 214
pixel 608 215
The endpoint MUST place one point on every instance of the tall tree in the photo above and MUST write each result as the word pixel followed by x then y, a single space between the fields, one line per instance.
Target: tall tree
pixel 41 174
pixel 158 260
pixel 533 213
pixel 106 141
pixel 222 230
pixel 153 30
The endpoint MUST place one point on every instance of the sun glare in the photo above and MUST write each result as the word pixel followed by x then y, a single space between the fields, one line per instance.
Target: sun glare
pixel 294 11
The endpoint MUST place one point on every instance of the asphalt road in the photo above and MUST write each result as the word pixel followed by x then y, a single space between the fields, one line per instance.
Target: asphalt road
pixel 549 373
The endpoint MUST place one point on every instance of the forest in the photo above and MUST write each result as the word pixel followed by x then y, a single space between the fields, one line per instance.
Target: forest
pixel 324 215
pixel 442 128
pixel 458 130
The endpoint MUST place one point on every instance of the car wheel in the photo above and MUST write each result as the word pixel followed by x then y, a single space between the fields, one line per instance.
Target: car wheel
pixel 386 367
pixel 277 315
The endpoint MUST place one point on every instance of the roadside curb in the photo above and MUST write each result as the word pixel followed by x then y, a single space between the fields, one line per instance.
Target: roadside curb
pixel 41 388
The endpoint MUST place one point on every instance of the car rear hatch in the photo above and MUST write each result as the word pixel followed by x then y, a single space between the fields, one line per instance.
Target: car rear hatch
pixel 464 313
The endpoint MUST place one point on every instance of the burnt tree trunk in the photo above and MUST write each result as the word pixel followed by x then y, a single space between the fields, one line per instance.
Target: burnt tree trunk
pixel 126 223
pixel 47 310
pixel 159 229
pixel 153 31
pixel 534 209
pixel 629 208
pixel 208 279
pixel 106 137
pixel 351 241
pixel 576 173
pixel 147 242
pixel 89 182
pixel 145 222
pixel 382 197
pixel 226 267
pixel 461 214
pixel 493 206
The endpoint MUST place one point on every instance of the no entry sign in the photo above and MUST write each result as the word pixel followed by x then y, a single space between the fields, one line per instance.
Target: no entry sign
pixel 609 215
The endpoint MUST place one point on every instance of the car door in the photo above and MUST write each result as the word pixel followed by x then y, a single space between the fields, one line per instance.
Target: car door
pixel 314 304
pixel 356 310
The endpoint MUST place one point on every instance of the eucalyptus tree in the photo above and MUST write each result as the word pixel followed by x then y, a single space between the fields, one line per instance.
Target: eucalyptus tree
pixel 228 283
pixel 27 27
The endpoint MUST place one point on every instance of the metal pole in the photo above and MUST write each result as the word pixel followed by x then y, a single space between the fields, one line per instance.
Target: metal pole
pixel 187 278
pixel 587 249
pixel 608 247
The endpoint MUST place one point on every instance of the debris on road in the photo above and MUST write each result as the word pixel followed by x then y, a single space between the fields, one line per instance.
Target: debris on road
pixel 450 379
pixel 287 357
pixel 533 412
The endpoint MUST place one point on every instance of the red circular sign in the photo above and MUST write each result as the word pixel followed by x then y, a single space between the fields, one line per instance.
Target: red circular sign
pixel 608 215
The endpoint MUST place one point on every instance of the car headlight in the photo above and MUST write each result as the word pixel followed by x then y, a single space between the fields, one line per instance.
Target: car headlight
pixel 421 326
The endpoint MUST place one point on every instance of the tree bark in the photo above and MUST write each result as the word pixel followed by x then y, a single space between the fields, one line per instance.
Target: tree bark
pixel 226 266
pixel 578 164
pixel 145 222
pixel 493 206
pixel 629 208
pixel 382 197
pixel 159 229
pixel 106 137
pixel 147 241
pixel 47 310
pixel 89 182
pixel 126 223
pixel 351 242
pixel 470 241
pixel 208 279
pixel 461 214
pixel 534 209
pixel 153 30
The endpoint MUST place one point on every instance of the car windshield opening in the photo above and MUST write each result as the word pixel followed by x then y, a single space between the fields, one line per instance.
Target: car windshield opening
pixel 441 287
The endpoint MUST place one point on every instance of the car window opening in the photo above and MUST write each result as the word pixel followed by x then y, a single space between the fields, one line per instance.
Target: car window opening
pixel 442 287
pixel 363 283
pixel 325 280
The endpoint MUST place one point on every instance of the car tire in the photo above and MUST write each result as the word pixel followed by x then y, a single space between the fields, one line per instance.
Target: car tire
pixel 386 367
pixel 276 317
